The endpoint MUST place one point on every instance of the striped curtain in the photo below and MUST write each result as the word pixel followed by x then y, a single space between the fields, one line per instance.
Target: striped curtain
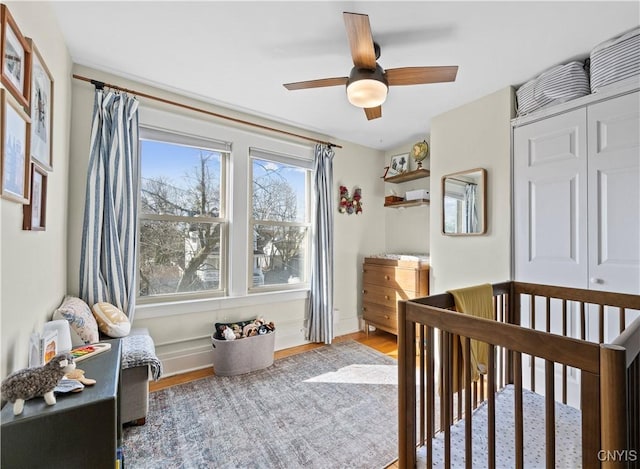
pixel 320 318
pixel 108 257
pixel 471 205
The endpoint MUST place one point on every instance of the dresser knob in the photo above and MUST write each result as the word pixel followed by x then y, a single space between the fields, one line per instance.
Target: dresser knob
pixel 386 297
pixel 386 317
pixel 364 308
pixel 364 292
pixel 386 277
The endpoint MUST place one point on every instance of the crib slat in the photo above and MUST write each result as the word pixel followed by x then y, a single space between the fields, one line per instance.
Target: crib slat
pixel 564 367
pixel 550 414
pixel 467 403
pixel 623 319
pixel 460 369
pixel 491 397
pixel 446 397
pixel 519 424
pixel 423 390
pixel 533 359
pixel 548 306
pixel 431 395
pixel 601 324
pixel 583 321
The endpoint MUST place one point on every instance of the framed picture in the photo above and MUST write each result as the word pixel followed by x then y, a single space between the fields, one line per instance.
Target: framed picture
pixel 41 109
pixel 15 59
pixel 399 164
pixel 15 167
pixel 34 213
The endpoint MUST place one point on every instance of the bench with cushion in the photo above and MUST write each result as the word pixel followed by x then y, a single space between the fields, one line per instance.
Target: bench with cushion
pixel 139 365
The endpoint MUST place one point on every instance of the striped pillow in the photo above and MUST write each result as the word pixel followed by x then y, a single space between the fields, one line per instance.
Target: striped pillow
pixel 615 59
pixel 556 85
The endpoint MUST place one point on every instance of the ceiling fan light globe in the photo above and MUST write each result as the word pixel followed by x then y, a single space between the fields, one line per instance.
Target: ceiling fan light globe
pixel 367 93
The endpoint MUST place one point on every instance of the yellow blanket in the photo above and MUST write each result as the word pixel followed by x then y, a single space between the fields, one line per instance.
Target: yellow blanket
pixel 476 301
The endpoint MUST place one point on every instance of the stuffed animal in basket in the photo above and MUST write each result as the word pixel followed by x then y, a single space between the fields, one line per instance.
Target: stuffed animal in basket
pixel 28 383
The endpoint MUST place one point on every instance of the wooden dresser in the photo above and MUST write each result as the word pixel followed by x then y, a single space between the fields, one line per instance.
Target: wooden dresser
pixel 384 282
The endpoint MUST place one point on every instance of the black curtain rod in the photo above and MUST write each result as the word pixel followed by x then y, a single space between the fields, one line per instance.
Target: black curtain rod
pixel 100 85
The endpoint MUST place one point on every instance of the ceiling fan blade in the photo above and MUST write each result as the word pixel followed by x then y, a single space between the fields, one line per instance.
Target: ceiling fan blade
pixel 420 75
pixel 373 112
pixel 360 40
pixel 303 85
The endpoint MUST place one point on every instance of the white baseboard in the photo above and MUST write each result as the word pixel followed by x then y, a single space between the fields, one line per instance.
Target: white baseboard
pixel 201 356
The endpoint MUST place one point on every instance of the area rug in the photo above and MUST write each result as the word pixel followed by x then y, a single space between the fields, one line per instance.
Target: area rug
pixel 331 407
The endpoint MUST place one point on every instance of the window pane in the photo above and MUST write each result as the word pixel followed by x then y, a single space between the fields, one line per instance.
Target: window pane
pixel 179 257
pixel 279 192
pixel 279 254
pixel 179 179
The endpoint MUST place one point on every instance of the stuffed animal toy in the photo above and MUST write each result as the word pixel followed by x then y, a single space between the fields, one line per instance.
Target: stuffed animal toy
pixel 28 383
pixel 228 334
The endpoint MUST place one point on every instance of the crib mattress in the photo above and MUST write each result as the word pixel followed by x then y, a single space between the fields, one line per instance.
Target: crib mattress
pixel 568 435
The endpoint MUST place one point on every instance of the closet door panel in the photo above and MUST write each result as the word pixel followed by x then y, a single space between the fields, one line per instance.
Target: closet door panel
pixel 614 194
pixel 550 189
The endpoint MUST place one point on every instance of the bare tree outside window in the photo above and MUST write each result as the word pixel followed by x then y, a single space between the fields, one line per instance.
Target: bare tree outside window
pixel 180 224
pixel 280 223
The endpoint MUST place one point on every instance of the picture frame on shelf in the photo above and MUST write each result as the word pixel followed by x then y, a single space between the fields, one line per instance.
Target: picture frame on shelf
pixel 399 165
pixel 34 214
pixel 15 169
pixel 15 58
pixel 41 110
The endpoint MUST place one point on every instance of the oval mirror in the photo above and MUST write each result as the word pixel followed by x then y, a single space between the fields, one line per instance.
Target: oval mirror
pixel 463 203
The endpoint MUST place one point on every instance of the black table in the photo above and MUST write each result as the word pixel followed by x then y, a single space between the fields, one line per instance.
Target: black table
pixel 81 430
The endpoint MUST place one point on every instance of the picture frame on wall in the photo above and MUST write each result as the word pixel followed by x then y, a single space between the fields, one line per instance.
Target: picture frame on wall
pixel 399 164
pixel 15 169
pixel 15 58
pixel 41 110
pixel 34 214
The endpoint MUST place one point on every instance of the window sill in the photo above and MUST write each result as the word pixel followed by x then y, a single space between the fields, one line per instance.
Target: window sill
pixel 176 308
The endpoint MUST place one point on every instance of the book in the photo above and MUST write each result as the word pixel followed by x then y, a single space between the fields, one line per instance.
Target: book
pixel 42 347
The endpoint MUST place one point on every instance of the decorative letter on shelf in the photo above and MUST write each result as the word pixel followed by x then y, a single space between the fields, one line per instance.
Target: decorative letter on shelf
pixel 350 204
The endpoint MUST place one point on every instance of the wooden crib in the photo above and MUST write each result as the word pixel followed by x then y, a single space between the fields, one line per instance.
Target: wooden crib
pixel 606 375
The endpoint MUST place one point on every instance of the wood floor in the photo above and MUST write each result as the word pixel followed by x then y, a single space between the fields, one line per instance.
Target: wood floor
pixel 379 340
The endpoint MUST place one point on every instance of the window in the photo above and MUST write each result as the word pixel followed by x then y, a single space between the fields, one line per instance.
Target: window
pixel 280 220
pixel 183 226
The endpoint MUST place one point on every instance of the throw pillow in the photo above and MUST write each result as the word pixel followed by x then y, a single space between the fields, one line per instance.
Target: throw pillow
pixel 84 328
pixel 111 321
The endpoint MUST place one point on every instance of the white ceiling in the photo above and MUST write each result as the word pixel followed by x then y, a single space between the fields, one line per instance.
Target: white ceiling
pixel 238 54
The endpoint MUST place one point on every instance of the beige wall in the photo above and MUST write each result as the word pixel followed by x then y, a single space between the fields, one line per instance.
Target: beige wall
pixel 476 135
pixel 34 264
pixel 407 228
pixel 182 340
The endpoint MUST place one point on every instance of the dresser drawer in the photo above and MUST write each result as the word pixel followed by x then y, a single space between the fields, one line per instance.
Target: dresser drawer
pixel 384 295
pixel 391 277
pixel 380 316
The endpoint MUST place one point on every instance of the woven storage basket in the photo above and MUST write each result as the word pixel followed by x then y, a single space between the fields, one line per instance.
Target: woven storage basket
pixel 236 357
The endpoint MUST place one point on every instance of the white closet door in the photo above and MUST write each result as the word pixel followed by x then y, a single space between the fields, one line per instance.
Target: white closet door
pixel 550 200
pixel 614 194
